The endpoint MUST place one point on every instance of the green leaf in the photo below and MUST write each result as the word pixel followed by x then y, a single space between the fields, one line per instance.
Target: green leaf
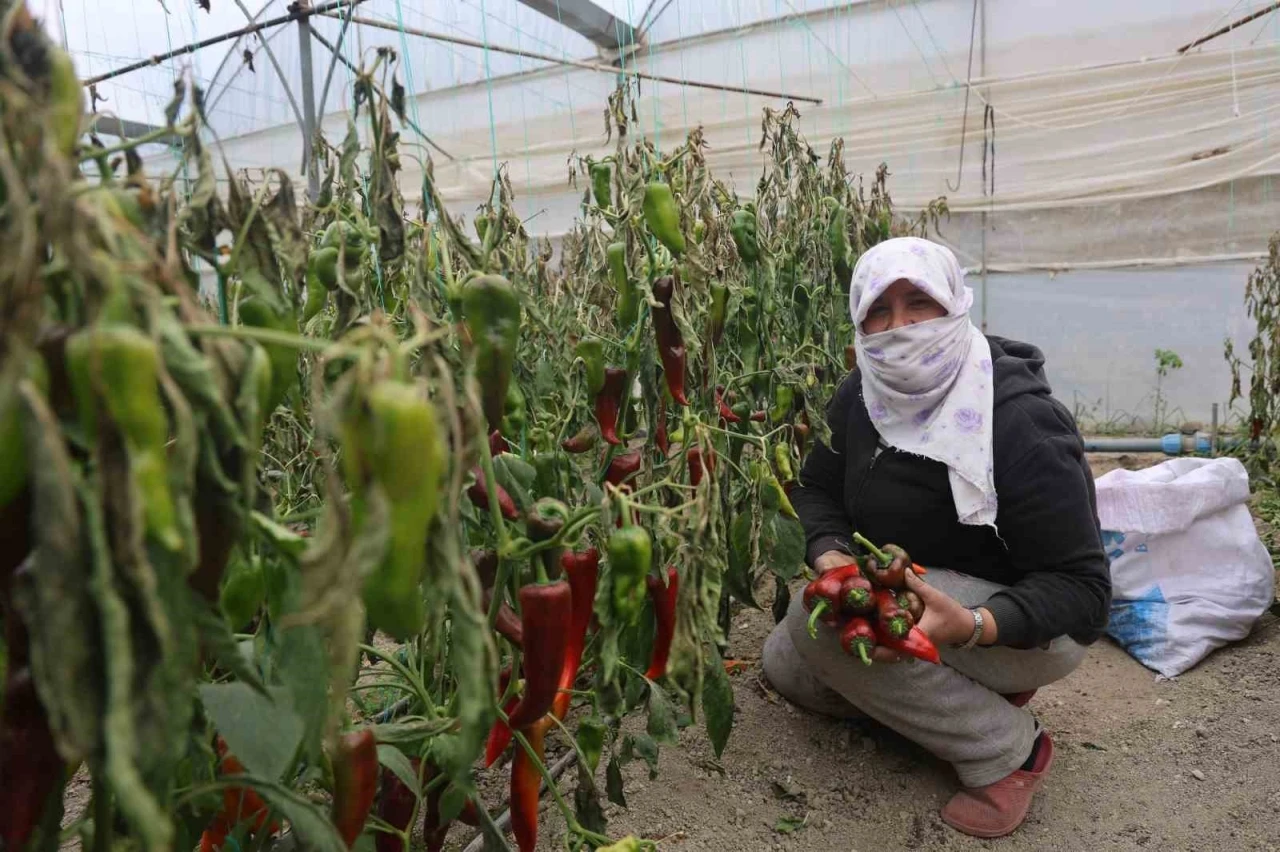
pixel 221 644
pixel 262 732
pixel 782 546
pixel 394 759
pixel 613 782
pixel 644 747
pixel 302 662
pixel 586 802
pixel 717 704
pixel 517 476
pixel 591 735
pixel 662 715
pixel 740 578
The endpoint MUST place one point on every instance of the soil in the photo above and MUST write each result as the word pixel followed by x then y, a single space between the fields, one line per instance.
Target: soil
pixel 1140 764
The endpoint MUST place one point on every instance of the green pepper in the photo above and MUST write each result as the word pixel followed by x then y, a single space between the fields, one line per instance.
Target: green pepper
pixel 628 293
pixel 244 589
pixel 742 227
pixel 601 184
pixel 323 265
pixel 783 400
pixel 406 457
pixel 514 412
pixel 662 216
pixel 838 240
pixel 353 241
pixel 592 354
pixel 492 311
pixel 547 467
pixel 255 312
pixel 630 554
pixel 317 295
pixel 116 369
pixel 543 522
pixel 719 312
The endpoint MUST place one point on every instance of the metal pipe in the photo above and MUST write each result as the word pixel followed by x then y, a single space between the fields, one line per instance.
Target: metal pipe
pixel 1213 432
pixel 1229 27
pixel 212 40
pixel 309 164
pixel 1174 444
pixel 590 66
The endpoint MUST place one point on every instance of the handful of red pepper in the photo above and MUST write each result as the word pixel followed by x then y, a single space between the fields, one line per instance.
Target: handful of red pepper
pixel 871 605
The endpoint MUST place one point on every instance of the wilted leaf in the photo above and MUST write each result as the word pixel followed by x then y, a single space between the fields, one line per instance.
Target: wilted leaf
pixel 312 825
pixel 717 705
pixel 586 802
pixel 644 747
pixel 591 735
pixel 790 824
pixel 782 546
pixel 740 578
pixel 662 715
pixel 613 782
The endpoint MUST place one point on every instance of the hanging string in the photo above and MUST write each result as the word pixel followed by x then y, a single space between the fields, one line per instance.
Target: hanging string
pixel 964 121
pixel 488 83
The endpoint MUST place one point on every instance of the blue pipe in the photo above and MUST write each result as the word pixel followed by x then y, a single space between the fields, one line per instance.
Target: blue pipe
pixel 1173 444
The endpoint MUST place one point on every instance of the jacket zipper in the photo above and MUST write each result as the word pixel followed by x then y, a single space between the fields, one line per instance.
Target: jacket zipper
pixel 857 499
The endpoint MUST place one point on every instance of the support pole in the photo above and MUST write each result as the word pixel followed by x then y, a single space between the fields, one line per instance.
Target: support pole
pixel 986 98
pixel 309 163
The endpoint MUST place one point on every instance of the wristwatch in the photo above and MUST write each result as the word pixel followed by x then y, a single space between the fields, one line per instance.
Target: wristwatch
pixel 977 631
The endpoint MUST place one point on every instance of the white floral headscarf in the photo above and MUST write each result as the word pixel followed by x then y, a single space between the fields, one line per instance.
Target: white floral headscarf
pixel 928 386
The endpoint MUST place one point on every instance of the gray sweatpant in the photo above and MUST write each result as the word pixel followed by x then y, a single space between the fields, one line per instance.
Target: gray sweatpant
pixel 954 710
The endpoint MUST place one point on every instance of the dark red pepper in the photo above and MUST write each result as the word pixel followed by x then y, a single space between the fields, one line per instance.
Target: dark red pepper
pixel 355 780
pixel 915 644
pixel 890 617
pixel 29 763
pixel 671 349
pixel 822 595
pixel 700 466
pixel 583 572
pixel 800 433
pixel 887 565
pixel 583 441
pixel 526 782
pixel 239 804
pixel 546 613
pixel 479 495
pixel 664 610
pixel 434 832
pixel 622 467
pixel 500 733
pixel 858 638
pixel 758 416
pixel 857 596
pixel 497 444
pixel 508 624
pixel 609 403
pixel 395 807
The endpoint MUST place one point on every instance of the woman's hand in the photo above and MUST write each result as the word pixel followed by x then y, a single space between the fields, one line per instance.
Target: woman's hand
pixel 946 621
pixel 831 559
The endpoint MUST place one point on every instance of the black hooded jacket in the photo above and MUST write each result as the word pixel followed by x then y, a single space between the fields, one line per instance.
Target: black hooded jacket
pixel 1049 547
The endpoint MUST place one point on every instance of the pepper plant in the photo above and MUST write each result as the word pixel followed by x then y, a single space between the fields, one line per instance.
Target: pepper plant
pixel 394 500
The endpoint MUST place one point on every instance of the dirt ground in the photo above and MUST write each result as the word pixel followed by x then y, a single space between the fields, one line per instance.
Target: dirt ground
pixel 1140 764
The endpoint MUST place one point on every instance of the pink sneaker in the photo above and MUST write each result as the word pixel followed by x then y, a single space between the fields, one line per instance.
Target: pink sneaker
pixel 997 809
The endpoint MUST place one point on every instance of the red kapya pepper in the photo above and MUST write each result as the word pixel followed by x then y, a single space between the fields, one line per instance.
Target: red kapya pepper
pixel 239 804
pixel 609 403
pixel 671 349
pixel 583 572
pixel 700 465
pixel 858 638
pixel 479 494
pixel 890 617
pixel 622 467
pixel 395 807
pixel 758 416
pixel 822 595
pixel 888 565
pixel 915 644
pixel 582 441
pixel 525 783
pixel 355 780
pixel 664 611
pixel 500 733
pixel 546 613
pixel 857 596
pixel 498 444
pixel 912 603
pixel 726 413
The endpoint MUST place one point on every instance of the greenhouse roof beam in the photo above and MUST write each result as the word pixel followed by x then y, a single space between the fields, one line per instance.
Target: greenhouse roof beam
pixel 587 19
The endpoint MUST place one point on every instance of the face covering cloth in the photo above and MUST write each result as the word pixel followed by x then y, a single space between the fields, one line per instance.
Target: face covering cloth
pixel 928 387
